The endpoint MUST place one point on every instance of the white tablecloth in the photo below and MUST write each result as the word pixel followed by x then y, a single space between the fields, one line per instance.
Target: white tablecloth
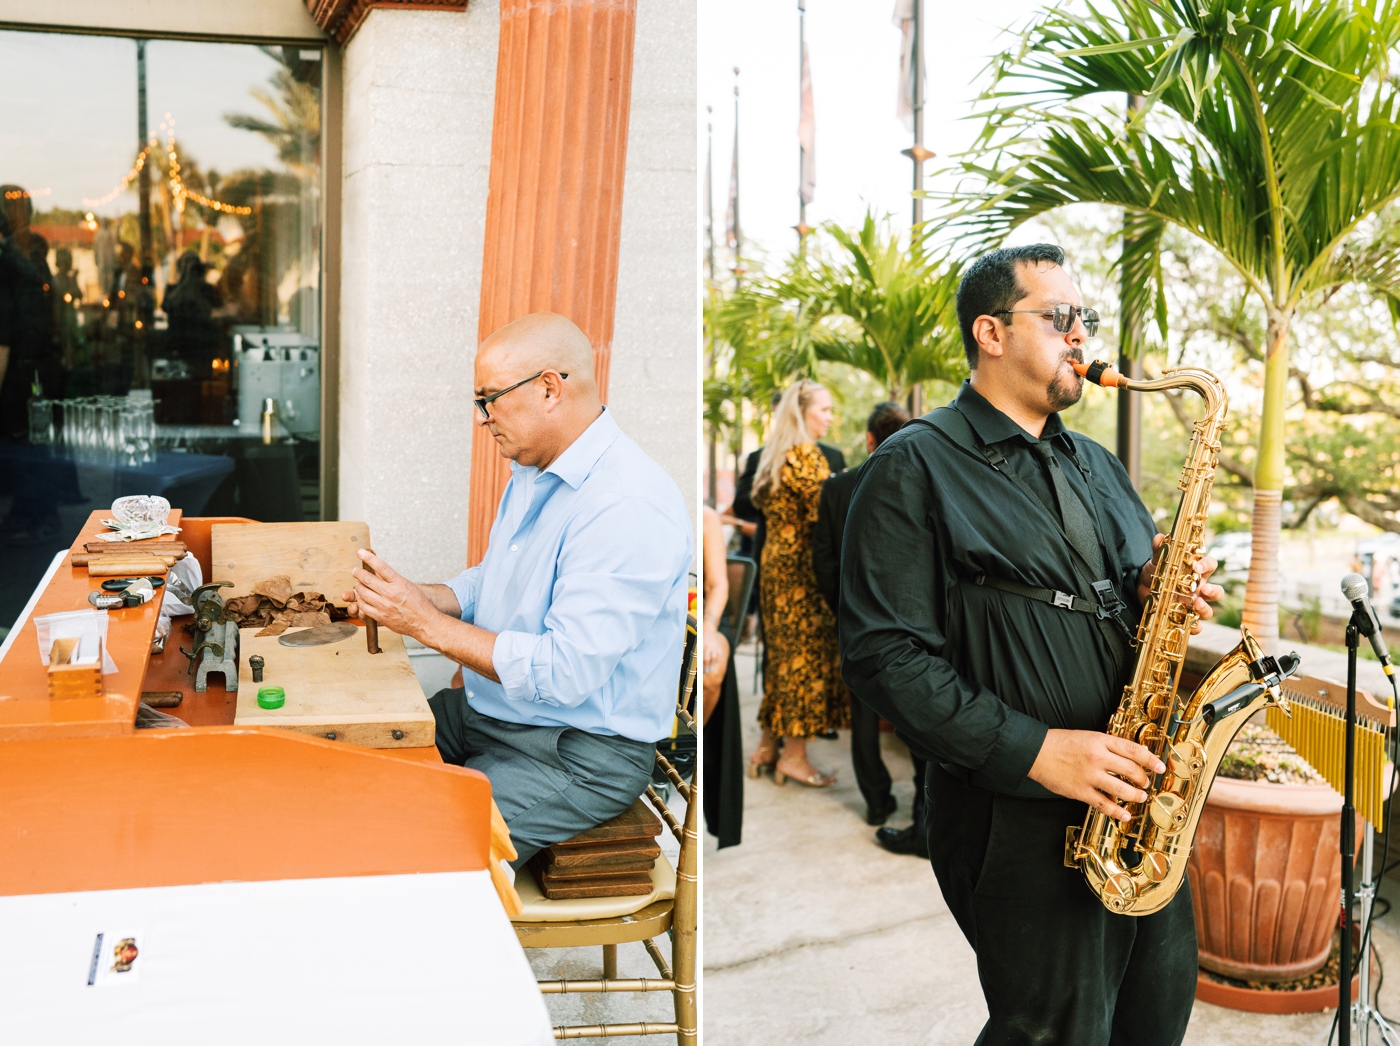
pixel 402 959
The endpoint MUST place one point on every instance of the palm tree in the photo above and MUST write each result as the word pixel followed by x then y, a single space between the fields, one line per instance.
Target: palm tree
pixel 885 308
pixel 1268 133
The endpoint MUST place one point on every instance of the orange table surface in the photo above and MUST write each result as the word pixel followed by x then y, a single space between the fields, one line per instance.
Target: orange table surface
pixel 26 711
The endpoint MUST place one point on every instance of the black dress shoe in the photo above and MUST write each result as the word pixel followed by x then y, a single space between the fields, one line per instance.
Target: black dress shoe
pixel 880 814
pixel 903 841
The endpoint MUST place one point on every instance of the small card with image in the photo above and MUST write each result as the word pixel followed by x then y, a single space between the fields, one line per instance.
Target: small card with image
pixel 116 958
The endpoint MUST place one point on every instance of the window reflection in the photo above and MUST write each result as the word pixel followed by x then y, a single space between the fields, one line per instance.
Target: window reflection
pixel 159 285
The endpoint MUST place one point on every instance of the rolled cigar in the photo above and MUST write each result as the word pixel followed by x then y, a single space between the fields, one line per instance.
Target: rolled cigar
pixel 162 698
pixel 83 559
pixel 105 548
pixel 127 569
pixel 371 625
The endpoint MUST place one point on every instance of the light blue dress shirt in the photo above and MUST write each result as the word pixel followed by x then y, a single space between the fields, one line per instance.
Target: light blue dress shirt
pixel 584 582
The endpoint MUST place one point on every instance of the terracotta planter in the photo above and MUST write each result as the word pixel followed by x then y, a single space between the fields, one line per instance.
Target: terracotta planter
pixel 1265 878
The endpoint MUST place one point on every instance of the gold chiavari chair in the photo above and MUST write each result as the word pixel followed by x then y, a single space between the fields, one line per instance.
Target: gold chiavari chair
pixel 672 907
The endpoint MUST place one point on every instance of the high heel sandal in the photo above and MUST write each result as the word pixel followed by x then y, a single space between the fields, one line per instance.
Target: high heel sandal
pixel 757 765
pixel 816 780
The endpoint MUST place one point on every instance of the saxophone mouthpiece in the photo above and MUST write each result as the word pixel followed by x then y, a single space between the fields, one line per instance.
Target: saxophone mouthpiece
pixel 1099 372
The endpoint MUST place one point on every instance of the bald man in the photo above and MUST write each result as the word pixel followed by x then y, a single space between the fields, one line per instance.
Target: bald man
pixel 570 630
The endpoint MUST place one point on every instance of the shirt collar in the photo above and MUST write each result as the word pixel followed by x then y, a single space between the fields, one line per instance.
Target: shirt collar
pixel 579 457
pixel 992 426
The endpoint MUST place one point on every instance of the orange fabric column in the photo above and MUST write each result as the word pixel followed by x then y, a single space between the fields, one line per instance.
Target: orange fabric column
pixel 554 213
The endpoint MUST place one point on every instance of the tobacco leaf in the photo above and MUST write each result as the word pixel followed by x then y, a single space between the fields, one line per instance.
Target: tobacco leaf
pixel 275 629
pixel 277 590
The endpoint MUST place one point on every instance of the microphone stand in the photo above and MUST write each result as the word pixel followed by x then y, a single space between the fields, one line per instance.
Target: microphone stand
pixel 1344 1014
pixel 1362 1013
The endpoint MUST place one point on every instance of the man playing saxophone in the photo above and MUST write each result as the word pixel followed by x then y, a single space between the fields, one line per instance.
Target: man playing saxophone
pixel 993 571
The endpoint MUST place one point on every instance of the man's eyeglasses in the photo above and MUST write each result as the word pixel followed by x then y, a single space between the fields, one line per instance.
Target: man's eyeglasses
pixel 1062 316
pixel 482 401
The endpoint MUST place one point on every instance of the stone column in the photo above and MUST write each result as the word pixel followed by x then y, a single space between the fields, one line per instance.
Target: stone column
pixel 418 94
pixel 554 214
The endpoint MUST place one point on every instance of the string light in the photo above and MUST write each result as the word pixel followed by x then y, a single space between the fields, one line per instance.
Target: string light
pixel 179 192
pixel 24 194
pixel 122 185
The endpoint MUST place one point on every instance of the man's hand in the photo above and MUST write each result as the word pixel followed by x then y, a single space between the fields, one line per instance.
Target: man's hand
pixel 1095 768
pixel 390 598
pixel 1206 594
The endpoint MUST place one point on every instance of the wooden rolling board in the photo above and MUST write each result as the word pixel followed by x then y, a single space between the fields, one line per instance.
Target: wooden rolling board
pixel 318 557
pixel 338 689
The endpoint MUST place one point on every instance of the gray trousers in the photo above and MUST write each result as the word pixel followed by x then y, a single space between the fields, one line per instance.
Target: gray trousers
pixel 549 782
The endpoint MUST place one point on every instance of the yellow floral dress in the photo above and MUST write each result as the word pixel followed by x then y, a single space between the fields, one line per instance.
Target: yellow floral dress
pixel 802 691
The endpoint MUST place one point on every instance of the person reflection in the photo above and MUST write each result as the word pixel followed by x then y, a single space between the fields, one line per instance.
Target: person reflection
pixel 190 303
pixel 65 294
pixel 25 354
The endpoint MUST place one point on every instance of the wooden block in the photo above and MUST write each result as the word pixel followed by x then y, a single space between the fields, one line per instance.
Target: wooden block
pixel 554 871
pixel 70 681
pixel 338 689
pixel 636 822
pixel 555 891
pixel 316 557
pixel 633 859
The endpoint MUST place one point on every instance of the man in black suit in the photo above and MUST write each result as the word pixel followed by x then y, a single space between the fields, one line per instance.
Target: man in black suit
pixel 871 776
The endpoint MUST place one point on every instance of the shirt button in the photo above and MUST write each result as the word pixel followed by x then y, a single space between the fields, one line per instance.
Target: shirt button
pixel 515 548
pixel 470 694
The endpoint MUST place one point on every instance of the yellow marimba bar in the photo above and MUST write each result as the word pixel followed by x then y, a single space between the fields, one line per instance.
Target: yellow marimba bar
pixel 1317 732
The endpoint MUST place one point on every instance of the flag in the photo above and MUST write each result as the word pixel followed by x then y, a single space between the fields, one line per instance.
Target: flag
pixel 709 202
pixel 904 19
pixel 807 132
pixel 733 236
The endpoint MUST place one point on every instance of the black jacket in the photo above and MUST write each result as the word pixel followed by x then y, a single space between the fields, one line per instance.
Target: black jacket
pixel 827 534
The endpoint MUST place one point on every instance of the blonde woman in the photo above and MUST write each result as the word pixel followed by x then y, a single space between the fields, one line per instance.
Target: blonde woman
pixel 802 691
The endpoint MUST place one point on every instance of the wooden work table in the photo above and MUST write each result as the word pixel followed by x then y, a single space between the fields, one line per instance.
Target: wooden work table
pixel 27 712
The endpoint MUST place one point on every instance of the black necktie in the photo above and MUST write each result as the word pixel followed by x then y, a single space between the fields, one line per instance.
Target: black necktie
pixel 1079 526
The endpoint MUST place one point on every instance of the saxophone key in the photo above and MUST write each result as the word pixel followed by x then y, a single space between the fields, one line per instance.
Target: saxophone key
pixel 1155 865
pixel 1167 810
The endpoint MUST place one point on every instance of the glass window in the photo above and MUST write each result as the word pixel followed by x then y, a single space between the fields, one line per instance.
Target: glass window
pixel 159 285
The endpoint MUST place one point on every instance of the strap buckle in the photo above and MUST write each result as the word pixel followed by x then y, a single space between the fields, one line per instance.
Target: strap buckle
pixel 1064 599
pixel 1109 603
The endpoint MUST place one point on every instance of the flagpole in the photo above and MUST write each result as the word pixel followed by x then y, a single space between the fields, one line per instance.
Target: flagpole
pixel 709 194
pixel 736 231
pixel 918 68
pixel 801 157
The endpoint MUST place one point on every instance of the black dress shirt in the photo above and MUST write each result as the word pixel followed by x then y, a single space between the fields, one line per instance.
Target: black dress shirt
pixel 972 676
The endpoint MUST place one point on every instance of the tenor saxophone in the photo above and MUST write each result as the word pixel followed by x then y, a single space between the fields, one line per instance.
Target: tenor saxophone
pixel 1136 866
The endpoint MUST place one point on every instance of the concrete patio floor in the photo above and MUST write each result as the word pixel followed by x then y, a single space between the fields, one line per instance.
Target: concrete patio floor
pixel 813 933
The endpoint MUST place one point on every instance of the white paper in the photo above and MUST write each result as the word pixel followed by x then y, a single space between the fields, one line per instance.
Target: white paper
pixel 116 958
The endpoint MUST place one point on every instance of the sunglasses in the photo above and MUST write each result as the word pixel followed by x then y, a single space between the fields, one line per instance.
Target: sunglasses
pixel 1062 316
pixel 483 401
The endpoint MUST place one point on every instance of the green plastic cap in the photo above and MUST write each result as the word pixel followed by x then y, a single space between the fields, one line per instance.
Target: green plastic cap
pixel 272 697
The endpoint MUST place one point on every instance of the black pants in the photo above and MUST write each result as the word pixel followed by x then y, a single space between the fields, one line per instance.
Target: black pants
pixel 872 777
pixel 1055 965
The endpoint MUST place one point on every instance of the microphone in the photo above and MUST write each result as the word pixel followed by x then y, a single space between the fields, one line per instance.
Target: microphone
pixel 1354 587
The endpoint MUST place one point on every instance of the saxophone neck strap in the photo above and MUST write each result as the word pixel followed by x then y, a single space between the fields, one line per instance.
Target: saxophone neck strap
pixel 1104 608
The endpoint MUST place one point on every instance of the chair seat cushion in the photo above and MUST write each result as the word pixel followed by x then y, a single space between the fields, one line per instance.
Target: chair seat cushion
pixel 536 908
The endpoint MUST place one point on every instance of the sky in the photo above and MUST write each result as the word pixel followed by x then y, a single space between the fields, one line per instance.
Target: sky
pixel 70 110
pixel 854 49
